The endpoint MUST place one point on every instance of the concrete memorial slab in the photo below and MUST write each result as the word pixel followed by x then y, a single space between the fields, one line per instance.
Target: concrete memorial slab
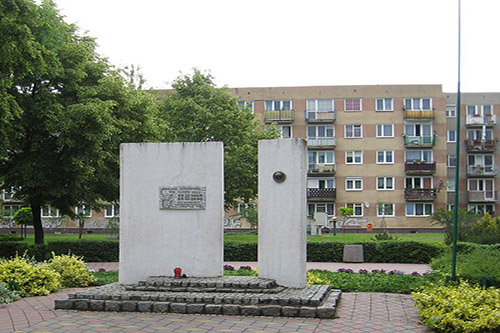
pixel 172 209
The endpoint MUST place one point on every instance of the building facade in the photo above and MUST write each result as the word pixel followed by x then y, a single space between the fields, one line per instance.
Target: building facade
pixel 386 151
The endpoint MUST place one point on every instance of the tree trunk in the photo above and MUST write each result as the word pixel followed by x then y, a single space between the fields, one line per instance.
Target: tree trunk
pixel 37 222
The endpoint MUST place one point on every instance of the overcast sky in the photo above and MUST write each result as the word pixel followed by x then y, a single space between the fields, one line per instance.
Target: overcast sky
pixel 261 43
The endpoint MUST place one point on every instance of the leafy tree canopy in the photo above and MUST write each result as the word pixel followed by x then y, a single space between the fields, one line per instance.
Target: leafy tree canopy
pixel 198 111
pixel 64 111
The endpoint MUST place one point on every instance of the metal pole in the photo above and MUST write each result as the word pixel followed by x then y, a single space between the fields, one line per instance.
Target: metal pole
pixel 457 158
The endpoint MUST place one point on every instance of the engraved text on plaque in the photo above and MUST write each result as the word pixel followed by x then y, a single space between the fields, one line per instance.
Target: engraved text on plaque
pixel 182 197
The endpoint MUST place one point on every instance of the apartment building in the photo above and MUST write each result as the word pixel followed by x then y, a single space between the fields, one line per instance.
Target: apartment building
pixel 387 151
pixel 379 149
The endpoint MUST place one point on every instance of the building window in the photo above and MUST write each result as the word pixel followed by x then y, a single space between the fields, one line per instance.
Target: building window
pixel 319 105
pixel 384 104
pixel 450 185
pixel 327 208
pixel 479 110
pixel 385 157
pixel 354 157
pixel 386 209
pixel 418 103
pixel 248 104
pixel 353 104
pixel 48 212
pixel 354 183
pixel 84 210
pixel 321 131
pixel 451 161
pixel 353 131
pixel 450 111
pixel 385 183
pixel 418 155
pixel 450 208
pixel 418 130
pixel 284 131
pixel 478 134
pixel 482 209
pixel 418 182
pixel 419 209
pixel 385 130
pixel 111 211
pixel 277 105
pixel 321 157
pixel 10 210
pixel 357 208
pixel 451 136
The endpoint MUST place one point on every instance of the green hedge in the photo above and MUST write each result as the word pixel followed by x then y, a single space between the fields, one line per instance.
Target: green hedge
pixel 107 251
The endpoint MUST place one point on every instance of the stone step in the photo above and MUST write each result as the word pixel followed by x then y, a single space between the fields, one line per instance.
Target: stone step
pixel 229 284
pixel 313 301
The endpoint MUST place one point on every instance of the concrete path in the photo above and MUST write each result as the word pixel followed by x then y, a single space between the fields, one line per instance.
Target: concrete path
pixel 357 312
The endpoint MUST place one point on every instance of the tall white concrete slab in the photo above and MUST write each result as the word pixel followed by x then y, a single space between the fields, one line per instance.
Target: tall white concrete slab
pixel 171 209
pixel 282 211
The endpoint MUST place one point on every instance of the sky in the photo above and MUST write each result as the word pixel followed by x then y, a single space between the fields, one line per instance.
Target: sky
pixel 266 43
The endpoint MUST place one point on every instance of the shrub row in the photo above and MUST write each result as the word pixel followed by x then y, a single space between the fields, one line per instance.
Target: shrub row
pixel 107 251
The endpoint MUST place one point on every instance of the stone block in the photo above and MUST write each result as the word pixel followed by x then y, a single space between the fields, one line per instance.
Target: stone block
pixel 230 310
pixel 161 307
pixel 129 306
pixel 290 311
pixel 63 304
pixel 271 310
pixel 213 309
pixel 250 310
pixel 144 306
pixel 178 307
pixel 112 306
pixel 96 305
pixel 81 304
pixel 307 312
pixel 326 312
pixel 353 253
pixel 195 308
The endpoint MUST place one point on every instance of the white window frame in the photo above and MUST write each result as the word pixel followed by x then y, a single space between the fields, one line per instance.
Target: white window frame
pixel 354 157
pixel 328 128
pixel 281 105
pixel 418 180
pixel 356 206
pixel 316 105
pixel 354 183
pixel 423 153
pixel 280 131
pixel 353 131
pixel 353 99
pixel 381 131
pixel 84 208
pixel 384 105
pixel 385 183
pixel 115 211
pixel 451 161
pixel 450 185
pixel 451 111
pixel 451 136
pixel 416 104
pixel 383 205
pixel 321 207
pixel 425 211
pixel 248 104
pixel 50 210
pixel 474 208
pixel 385 154
pixel 10 210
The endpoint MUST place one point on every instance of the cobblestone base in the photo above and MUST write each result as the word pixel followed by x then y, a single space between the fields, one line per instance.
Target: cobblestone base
pixel 235 295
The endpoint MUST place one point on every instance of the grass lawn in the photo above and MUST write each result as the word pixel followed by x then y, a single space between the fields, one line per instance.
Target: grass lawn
pixel 30 239
pixel 355 237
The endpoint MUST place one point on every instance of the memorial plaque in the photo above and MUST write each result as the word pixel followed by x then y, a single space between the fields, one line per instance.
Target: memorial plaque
pixel 182 197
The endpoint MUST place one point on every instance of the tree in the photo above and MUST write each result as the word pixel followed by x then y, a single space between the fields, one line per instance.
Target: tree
pixel 23 217
pixel 69 112
pixel 445 219
pixel 198 111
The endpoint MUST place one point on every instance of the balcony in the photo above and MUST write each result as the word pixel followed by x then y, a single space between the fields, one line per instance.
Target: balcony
pixel 419 114
pixel 481 145
pixel 321 116
pixel 481 171
pixel 321 194
pixel 478 120
pixel 419 141
pixel 321 169
pixel 419 168
pixel 420 194
pixel 482 196
pixel 281 116
pixel 322 142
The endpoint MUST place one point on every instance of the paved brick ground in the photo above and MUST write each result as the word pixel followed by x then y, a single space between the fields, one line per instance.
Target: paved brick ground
pixel 358 312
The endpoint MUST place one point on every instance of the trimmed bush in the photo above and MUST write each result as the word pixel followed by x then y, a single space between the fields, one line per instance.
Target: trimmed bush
pixel 90 251
pixel 239 251
pixel 7 295
pixel 73 270
pixel 10 238
pixel 28 277
pixel 459 308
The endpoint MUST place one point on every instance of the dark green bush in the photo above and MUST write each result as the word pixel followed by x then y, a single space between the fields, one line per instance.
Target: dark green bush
pixel 239 251
pixel 91 251
pixel 10 238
